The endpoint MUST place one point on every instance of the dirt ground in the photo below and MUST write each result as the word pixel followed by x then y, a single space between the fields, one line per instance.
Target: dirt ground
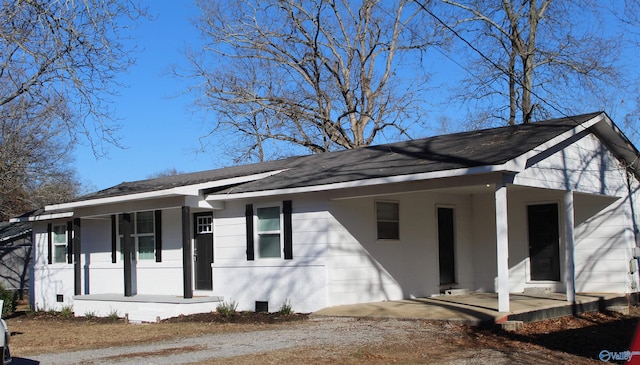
pixel 564 340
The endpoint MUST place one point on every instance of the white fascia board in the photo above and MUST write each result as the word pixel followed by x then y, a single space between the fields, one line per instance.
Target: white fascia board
pixel 42 217
pixel 519 163
pixel 361 183
pixel 188 190
pixel 9 238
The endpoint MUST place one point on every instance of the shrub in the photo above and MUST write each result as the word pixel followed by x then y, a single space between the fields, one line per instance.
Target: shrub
pixel 227 308
pixel 113 315
pixel 66 312
pixel 286 309
pixel 10 300
pixel 90 315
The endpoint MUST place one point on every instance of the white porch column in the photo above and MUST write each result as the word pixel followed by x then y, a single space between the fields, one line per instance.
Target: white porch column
pixel 502 247
pixel 569 238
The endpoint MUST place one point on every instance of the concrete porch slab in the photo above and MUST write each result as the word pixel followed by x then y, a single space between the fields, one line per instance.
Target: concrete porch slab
pixel 143 308
pixel 478 308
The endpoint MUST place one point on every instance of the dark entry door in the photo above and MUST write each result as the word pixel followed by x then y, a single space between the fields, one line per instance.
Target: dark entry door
pixel 446 243
pixel 203 250
pixel 544 242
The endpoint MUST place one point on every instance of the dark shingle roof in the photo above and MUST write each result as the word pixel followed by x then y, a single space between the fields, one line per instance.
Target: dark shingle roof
pixel 447 152
pixel 440 153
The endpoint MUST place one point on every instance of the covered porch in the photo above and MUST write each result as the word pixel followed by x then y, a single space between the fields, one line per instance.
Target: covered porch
pixel 482 308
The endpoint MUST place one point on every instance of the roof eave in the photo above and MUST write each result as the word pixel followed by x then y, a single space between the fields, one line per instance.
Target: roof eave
pixel 41 217
pixel 619 144
pixel 363 183
pixel 187 190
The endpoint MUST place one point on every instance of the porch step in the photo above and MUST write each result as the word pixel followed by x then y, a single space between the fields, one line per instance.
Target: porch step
pixel 537 291
pixel 456 292
pixel 512 325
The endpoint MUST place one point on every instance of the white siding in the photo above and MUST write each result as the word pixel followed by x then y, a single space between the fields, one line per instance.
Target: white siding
pixel 604 228
pixel 99 275
pixel 585 166
pixel 300 281
pixel 365 269
pixel 603 250
pixel 49 280
pixel 483 250
pixel 163 278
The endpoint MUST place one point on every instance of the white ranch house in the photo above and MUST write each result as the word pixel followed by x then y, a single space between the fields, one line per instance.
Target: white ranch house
pixel 549 205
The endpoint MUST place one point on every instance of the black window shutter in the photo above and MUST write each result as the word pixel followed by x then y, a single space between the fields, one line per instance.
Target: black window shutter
pixel 114 239
pixel 77 250
pixel 249 226
pixel 158 223
pixel 70 242
pixel 49 244
pixel 288 231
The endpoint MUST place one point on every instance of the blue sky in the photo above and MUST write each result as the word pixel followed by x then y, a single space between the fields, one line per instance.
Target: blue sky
pixel 160 129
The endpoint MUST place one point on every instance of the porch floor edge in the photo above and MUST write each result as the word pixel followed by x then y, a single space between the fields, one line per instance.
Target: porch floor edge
pixel 147 298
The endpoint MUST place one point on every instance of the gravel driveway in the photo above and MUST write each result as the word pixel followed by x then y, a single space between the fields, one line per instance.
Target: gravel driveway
pixel 315 332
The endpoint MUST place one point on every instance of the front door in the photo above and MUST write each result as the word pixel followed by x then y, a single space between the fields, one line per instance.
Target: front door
pixel 203 250
pixel 544 242
pixel 446 246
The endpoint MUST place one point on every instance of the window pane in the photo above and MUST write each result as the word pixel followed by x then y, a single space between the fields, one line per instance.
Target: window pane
pixel 60 234
pixel 269 245
pixel 388 230
pixel 387 211
pixel 146 248
pixel 205 224
pixel 144 222
pixel 133 252
pixel 59 253
pixel 269 219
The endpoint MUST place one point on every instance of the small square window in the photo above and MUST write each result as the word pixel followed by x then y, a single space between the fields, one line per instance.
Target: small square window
pixel 204 224
pixel 388 220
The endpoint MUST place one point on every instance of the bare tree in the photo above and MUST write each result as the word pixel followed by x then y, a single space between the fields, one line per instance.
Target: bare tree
pixel 58 62
pixel 320 74
pixel 34 162
pixel 171 171
pixel 535 57
pixel 66 51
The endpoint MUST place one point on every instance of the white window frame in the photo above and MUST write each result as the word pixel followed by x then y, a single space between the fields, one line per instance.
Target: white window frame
pixel 204 227
pixel 60 244
pixel 378 220
pixel 279 232
pixel 136 237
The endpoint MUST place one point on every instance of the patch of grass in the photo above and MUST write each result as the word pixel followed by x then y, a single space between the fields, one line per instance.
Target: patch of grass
pixel 90 315
pixel 227 308
pixel 286 309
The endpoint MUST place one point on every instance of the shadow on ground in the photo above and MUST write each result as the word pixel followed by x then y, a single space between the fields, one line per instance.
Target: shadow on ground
pixel 583 335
